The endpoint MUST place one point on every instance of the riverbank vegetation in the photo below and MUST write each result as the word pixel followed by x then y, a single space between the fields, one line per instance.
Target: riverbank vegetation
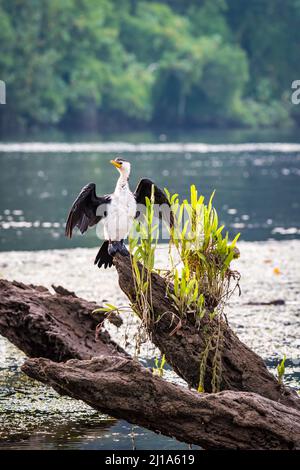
pixel 128 64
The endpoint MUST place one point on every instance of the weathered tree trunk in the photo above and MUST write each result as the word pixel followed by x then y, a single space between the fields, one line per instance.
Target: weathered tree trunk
pixel 122 388
pixel 241 368
pixel 59 327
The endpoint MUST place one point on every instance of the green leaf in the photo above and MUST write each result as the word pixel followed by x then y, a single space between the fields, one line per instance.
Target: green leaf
pixel 210 201
pixel 281 369
pixel 233 243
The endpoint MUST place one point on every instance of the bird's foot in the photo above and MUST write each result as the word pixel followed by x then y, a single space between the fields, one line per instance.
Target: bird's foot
pixel 117 247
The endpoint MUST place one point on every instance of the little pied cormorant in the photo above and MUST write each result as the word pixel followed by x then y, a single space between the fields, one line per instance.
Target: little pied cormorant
pixel 117 211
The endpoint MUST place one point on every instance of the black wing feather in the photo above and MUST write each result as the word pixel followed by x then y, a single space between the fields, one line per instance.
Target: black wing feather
pixel 83 213
pixel 144 190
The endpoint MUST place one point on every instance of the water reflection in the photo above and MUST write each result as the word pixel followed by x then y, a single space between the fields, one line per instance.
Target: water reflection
pixel 33 416
pixel 90 435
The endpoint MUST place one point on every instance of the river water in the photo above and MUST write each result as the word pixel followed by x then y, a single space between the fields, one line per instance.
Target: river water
pixel 257 185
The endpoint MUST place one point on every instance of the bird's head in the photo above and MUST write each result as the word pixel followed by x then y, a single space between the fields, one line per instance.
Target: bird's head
pixel 122 166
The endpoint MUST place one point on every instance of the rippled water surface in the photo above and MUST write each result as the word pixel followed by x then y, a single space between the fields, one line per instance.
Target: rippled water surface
pixel 33 416
pixel 257 184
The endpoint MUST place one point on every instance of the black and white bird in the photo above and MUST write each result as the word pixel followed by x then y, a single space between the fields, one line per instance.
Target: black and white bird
pixel 117 211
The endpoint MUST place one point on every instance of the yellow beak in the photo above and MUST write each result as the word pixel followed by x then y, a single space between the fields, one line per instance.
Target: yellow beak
pixel 116 164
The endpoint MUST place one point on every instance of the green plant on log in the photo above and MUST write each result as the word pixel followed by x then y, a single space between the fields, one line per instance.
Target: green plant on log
pixel 281 369
pixel 204 253
pixel 159 366
pixel 199 278
pixel 200 275
pixel 142 250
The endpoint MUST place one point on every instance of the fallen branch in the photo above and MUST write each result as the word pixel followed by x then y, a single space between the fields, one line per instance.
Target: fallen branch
pixel 59 326
pixel 122 388
pixel 241 368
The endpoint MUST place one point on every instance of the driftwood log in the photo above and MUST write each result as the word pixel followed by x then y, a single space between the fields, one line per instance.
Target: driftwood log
pixel 59 327
pixel 122 388
pixel 242 368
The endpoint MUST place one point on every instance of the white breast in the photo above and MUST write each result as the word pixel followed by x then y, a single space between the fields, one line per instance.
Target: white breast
pixel 120 214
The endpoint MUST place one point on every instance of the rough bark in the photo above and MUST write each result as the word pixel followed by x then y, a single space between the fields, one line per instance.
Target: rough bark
pixel 241 368
pixel 59 326
pixel 122 388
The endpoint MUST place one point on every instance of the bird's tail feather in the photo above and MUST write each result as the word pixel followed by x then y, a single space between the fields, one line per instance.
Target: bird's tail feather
pixel 107 251
pixel 103 258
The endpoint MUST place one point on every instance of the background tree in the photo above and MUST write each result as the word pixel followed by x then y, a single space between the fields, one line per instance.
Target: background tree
pixel 193 63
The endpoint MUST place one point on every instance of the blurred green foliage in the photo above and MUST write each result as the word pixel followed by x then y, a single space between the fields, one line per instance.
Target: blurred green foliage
pixel 134 63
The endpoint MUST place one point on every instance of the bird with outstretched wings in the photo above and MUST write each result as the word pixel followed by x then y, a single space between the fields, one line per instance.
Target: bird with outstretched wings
pixel 117 211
